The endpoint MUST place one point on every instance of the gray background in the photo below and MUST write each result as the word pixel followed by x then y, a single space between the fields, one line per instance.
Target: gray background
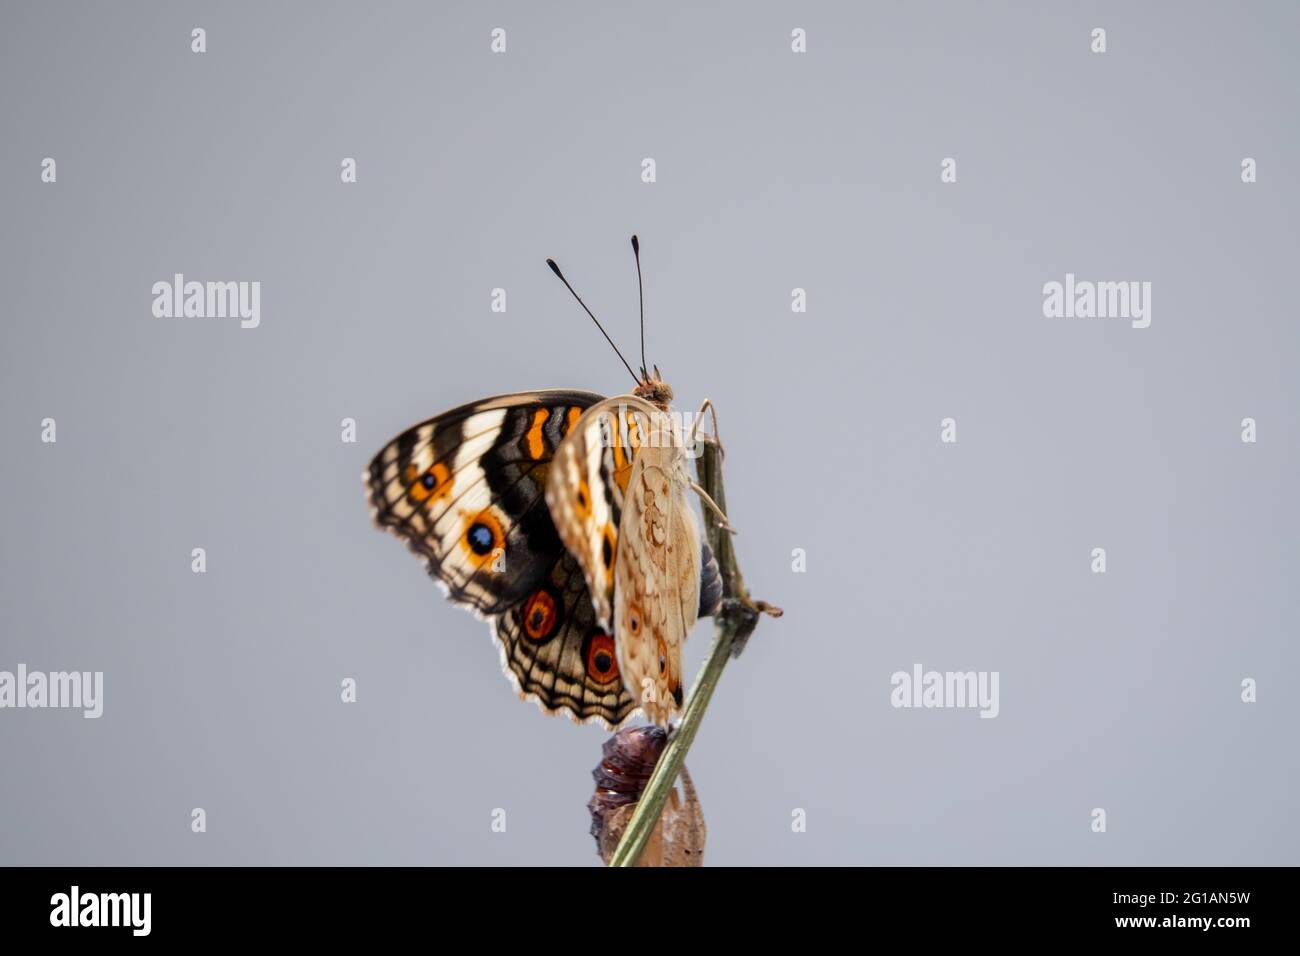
pixel 775 171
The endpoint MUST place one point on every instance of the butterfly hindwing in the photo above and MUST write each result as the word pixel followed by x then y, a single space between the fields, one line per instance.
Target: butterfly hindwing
pixel 466 492
pixel 555 652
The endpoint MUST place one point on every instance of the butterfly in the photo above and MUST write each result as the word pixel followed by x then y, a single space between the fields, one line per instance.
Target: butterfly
pixel 563 519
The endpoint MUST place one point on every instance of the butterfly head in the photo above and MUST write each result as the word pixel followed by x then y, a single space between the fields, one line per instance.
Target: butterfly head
pixel 654 389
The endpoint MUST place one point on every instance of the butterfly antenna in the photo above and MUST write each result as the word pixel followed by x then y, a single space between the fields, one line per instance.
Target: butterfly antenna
pixel 640 290
pixel 560 275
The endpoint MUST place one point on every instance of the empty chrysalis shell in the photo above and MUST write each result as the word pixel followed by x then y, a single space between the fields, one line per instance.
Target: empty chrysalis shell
pixel 628 759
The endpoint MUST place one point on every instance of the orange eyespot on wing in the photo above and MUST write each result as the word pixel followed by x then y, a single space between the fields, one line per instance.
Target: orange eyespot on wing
pixel 434 482
pixel 482 540
pixel 601 661
pixel 541 615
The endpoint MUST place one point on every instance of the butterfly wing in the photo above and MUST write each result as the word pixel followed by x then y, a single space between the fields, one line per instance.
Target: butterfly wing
pixel 465 491
pixel 657 574
pixel 586 486
pixel 556 654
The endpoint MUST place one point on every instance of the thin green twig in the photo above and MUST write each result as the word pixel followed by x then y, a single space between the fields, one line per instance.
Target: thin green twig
pixel 734 622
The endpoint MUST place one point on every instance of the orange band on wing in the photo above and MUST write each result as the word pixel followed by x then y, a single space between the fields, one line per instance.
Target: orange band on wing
pixel 623 455
pixel 536 444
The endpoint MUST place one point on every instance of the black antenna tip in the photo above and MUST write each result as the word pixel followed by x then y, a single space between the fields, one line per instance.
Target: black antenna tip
pixel 555 268
pixel 636 246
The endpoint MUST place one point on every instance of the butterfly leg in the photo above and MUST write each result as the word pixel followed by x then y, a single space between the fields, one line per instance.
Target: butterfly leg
pixel 699 416
pixel 713 506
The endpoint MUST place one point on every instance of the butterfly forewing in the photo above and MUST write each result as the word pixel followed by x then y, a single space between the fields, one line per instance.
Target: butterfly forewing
pixel 465 491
